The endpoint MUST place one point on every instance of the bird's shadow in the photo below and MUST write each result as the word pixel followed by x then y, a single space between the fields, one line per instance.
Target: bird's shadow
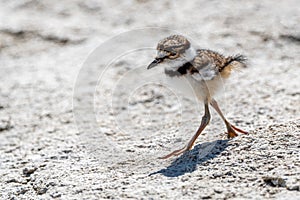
pixel 188 161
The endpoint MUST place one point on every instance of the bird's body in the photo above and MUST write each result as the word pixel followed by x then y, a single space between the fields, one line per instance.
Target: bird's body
pixel 204 69
pixel 206 72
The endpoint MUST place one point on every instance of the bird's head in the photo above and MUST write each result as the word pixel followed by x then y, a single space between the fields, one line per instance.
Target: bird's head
pixel 173 51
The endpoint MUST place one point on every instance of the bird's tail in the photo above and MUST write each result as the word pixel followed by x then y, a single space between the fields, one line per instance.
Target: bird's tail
pixel 234 63
pixel 241 61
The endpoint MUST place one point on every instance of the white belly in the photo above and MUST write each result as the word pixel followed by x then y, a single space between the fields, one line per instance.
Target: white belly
pixel 195 89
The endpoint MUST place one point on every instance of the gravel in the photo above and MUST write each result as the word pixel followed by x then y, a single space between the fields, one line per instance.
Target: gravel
pixel 46 152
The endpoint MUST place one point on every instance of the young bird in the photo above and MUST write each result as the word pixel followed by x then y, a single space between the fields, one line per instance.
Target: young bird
pixel 204 70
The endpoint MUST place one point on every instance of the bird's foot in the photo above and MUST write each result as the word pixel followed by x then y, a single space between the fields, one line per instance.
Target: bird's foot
pixel 239 130
pixel 231 134
pixel 232 131
pixel 175 153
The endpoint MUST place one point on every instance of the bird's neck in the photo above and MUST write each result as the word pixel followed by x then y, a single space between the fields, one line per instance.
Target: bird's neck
pixel 190 54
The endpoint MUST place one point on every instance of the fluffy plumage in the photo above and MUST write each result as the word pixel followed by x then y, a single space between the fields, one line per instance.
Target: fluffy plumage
pixel 204 69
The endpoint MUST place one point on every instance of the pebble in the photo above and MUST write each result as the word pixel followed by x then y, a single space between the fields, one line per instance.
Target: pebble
pixel 29 170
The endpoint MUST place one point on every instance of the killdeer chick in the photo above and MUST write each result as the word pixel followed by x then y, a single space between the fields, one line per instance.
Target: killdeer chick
pixel 204 69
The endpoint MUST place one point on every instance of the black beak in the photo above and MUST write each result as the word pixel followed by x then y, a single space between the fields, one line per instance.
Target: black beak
pixel 154 63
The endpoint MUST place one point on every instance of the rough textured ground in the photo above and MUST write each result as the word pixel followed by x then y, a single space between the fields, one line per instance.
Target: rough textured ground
pixel 44 154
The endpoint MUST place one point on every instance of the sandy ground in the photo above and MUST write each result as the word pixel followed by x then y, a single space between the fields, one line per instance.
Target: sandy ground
pixel 66 132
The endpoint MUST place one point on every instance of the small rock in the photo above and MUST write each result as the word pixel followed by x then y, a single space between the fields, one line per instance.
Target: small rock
pixel 51 184
pixel 17 180
pixel 293 187
pixel 274 181
pixel 231 180
pixel 217 174
pixel 22 190
pixel 185 178
pixel 206 196
pixel 263 147
pixel 29 170
pixel 218 190
pixel 252 178
pixel 55 195
pixel 41 191
pixel 64 157
pixel 293 184
pixel 51 130
pixel 229 173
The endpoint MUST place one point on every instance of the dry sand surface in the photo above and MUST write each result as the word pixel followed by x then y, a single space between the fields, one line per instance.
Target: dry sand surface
pixel 68 131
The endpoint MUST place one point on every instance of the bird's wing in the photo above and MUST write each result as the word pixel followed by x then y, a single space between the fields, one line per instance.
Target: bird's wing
pixel 204 68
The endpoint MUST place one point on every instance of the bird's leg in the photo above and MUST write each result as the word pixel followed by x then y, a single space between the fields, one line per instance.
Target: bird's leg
pixel 230 128
pixel 204 122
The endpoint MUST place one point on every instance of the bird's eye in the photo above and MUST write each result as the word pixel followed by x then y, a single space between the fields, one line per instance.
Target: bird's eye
pixel 173 55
